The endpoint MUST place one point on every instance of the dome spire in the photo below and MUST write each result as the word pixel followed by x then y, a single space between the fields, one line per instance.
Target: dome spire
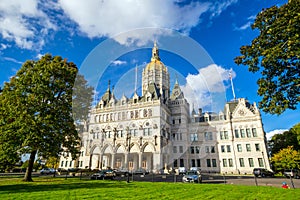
pixel 155 52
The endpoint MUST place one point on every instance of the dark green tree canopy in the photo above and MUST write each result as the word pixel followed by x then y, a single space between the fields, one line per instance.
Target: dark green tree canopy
pixel 275 54
pixel 36 110
pixel 287 138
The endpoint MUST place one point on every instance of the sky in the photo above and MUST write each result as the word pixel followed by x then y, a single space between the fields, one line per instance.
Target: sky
pixel 112 40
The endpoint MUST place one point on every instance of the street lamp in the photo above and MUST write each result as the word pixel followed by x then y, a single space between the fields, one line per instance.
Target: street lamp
pixel 128 138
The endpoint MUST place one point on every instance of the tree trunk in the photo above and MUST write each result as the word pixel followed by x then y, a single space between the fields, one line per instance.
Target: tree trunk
pixel 29 169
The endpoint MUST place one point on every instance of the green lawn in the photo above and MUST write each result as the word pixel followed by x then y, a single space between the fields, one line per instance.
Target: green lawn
pixel 74 188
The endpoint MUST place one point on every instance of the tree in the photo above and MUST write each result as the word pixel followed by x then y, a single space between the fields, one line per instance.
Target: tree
pixel 36 111
pixel 287 158
pixel 275 54
pixel 282 141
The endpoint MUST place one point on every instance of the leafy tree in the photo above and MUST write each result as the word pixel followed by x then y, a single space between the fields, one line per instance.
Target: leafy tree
pixel 36 111
pixel 275 54
pixel 52 162
pixel 287 158
pixel 282 141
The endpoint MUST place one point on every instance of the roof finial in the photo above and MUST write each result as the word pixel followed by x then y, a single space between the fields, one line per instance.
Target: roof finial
pixel 155 52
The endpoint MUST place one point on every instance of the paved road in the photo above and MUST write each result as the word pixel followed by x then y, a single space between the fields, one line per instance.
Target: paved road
pixel 207 179
pixel 219 179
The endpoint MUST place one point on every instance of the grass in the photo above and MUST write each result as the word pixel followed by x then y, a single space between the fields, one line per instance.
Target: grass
pixel 74 188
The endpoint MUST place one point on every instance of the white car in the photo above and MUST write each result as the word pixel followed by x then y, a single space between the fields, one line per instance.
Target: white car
pixel 181 170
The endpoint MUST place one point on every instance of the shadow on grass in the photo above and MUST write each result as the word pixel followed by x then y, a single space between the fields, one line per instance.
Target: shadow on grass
pixel 53 184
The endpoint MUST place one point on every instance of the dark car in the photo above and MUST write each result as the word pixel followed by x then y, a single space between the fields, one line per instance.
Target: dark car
pixel 294 173
pixel 262 172
pixel 104 174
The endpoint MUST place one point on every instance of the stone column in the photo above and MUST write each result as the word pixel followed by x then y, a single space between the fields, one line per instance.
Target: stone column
pixel 112 161
pixel 140 160
pixel 100 161
pixel 126 160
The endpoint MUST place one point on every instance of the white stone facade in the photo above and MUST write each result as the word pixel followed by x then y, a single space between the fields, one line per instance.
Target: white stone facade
pixel 156 131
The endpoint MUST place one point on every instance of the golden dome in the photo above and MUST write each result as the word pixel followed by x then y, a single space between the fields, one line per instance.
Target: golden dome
pixel 156 65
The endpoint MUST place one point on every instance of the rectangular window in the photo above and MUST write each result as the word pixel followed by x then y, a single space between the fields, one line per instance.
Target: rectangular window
pixel 230 162
pixel 175 163
pixel 260 162
pixel 175 149
pixel 198 163
pixel 181 163
pixel 228 148
pixel 206 149
pixel 147 131
pixel 242 164
pixel 257 147
pixel 173 121
pixel 180 149
pixel 208 163
pixel 62 164
pixel 214 162
pixel 208 136
pixel 236 133
pixel 224 162
pixel 194 137
pixel 221 135
pixel 193 162
pixel 212 149
pixel 81 163
pixel 251 164
pixel 192 150
pixel 66 165
pixel 242 133
pixel 248 132
pixel 254 132
pixel 70 165
pixel 248 147
pixel 197 149
pixel 179 121
pixel 226 135
pixel 222 148
pixel 239 147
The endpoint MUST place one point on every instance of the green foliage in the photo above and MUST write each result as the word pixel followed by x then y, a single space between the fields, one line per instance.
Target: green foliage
pixel 282 141
pixel 52 162
pixel 36 110
pixel 275 54
pixel 287 158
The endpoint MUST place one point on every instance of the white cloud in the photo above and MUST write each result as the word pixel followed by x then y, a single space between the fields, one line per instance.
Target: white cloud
pixel 24 23
pixel 243 27
pixel 97 18
pixel 39 56
pixel 199 87
pixel 270 134
pixel 119 62
pixel 28 24
pixel 12 60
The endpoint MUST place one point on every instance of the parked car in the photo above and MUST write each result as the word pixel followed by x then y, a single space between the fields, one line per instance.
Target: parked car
pixel 47 171
pixel 262 172
pixel 181 170
pixel 141 171
pixel 192 176
pixel 104 174
pixel 294 173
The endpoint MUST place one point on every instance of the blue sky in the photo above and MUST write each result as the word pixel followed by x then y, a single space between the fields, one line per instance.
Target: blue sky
pixel 78 29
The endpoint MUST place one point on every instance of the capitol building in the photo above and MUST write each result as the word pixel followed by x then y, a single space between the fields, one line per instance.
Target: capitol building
pixel 157 131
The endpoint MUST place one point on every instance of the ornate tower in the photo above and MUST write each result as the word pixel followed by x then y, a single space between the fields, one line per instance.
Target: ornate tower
pixel 156 73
